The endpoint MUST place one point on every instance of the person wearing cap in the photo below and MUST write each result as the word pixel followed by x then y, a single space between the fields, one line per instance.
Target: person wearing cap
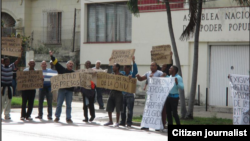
pixel 99 90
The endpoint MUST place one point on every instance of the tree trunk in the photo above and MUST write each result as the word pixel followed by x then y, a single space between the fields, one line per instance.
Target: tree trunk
pixel 176 56
pixel 195 64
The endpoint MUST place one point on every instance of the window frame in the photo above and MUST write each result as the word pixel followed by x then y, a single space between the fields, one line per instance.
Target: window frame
pixel 105 21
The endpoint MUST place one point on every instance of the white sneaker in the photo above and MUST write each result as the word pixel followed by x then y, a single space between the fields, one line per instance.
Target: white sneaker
pixel 116 125
pixel 29 118
pixel 22 118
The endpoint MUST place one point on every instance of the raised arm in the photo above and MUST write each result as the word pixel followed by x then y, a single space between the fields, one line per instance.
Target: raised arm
pixel 58 66
pixel 135 69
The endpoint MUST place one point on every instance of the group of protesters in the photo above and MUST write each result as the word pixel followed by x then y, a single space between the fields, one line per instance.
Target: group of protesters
pixel 121 101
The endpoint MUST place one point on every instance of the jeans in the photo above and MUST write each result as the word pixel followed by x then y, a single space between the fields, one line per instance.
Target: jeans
pixel 128 102
pixel 99 97
pixel 14 86
pixel 90 106
pixel 64 94
pixel 172 104
pixel 42 93
pixel 27 96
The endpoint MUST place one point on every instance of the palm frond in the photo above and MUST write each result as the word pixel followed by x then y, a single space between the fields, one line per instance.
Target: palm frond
pixel 133 7
pixel 193 6
pixel 243 2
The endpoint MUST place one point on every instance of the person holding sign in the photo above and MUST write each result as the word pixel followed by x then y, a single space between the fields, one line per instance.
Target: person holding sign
pixel 6 84
pixel 99 90
pixel 88 97
pixel 128 98
pixel 115 100
pixel 28 96
pixel 153 73
pixel 173 97
pixel 65 93
pixel 46 91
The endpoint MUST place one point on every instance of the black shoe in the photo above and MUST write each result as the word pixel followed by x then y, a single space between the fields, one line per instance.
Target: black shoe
pixel 38 117
pixel 157 130
pixel 92 118
pixel 85 120
pixel 122 124
pixel 50 118
pixel 102 108
pixel 56 120
pixel 69 121
pixel 143 128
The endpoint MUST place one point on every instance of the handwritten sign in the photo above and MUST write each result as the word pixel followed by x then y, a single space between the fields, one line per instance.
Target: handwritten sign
pixel 240 93
pixel 93 72
pixel 157 93
pixel 12 46
pixel 116 82
pixel 29 80
pixel 85 80
pixel 122 57
pixel 161 54
pixel 66 80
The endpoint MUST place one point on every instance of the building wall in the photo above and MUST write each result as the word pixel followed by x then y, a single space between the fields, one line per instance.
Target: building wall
pixel 150 29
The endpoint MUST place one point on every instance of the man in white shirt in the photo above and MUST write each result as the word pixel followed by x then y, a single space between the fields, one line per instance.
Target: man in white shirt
pixel 99 90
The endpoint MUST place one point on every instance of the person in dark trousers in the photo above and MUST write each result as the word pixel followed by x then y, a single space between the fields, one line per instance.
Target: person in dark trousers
pixel 6 85
pixel 28 96
pixel 14 81
pixel 99 91
pixel 128 98
pixel 165 69
pixel 155 72
pixel 46 91
pixel 115 100
pixel 173 97
pixel 64 93
pixel 88 99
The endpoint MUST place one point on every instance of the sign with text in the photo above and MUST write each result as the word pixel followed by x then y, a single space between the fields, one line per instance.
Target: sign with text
pixel 12 46
pixel 116 82
pixel 122 57
pixel 66 80
pixel 93 72
pixel 157 93
pixel 29 80
pixel 161 54
pixel 240 93
pixel 85 79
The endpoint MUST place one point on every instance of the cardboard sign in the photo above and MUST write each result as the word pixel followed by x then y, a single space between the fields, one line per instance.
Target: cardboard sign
pixel 116 82
pixel 161 54
pixel 93 72
pixel 122 57
pixel 69 80
pixel 85 80
pixel 157 93
pixel 12 46
pixel 240 93
pixel 66 80
pixel 29 80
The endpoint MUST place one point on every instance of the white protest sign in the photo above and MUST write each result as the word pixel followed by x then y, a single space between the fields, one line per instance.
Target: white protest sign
pixel 158 90
pixel 240 95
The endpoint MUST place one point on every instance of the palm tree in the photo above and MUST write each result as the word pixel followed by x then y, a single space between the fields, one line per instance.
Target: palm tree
pixel 195 9
pixel 133 7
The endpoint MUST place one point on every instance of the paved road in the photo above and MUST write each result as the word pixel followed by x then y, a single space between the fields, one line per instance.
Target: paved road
pixel 45 130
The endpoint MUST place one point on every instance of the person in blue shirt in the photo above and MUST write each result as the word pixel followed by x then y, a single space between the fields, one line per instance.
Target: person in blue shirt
pixel 46 91
pixel 128 98
pixel 173 97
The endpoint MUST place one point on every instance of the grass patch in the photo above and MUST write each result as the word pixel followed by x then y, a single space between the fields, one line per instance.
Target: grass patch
pixel 17 101
pixel 198 121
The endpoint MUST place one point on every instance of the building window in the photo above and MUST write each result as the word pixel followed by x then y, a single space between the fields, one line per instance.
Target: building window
pixel 109 22
pixel 52 27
